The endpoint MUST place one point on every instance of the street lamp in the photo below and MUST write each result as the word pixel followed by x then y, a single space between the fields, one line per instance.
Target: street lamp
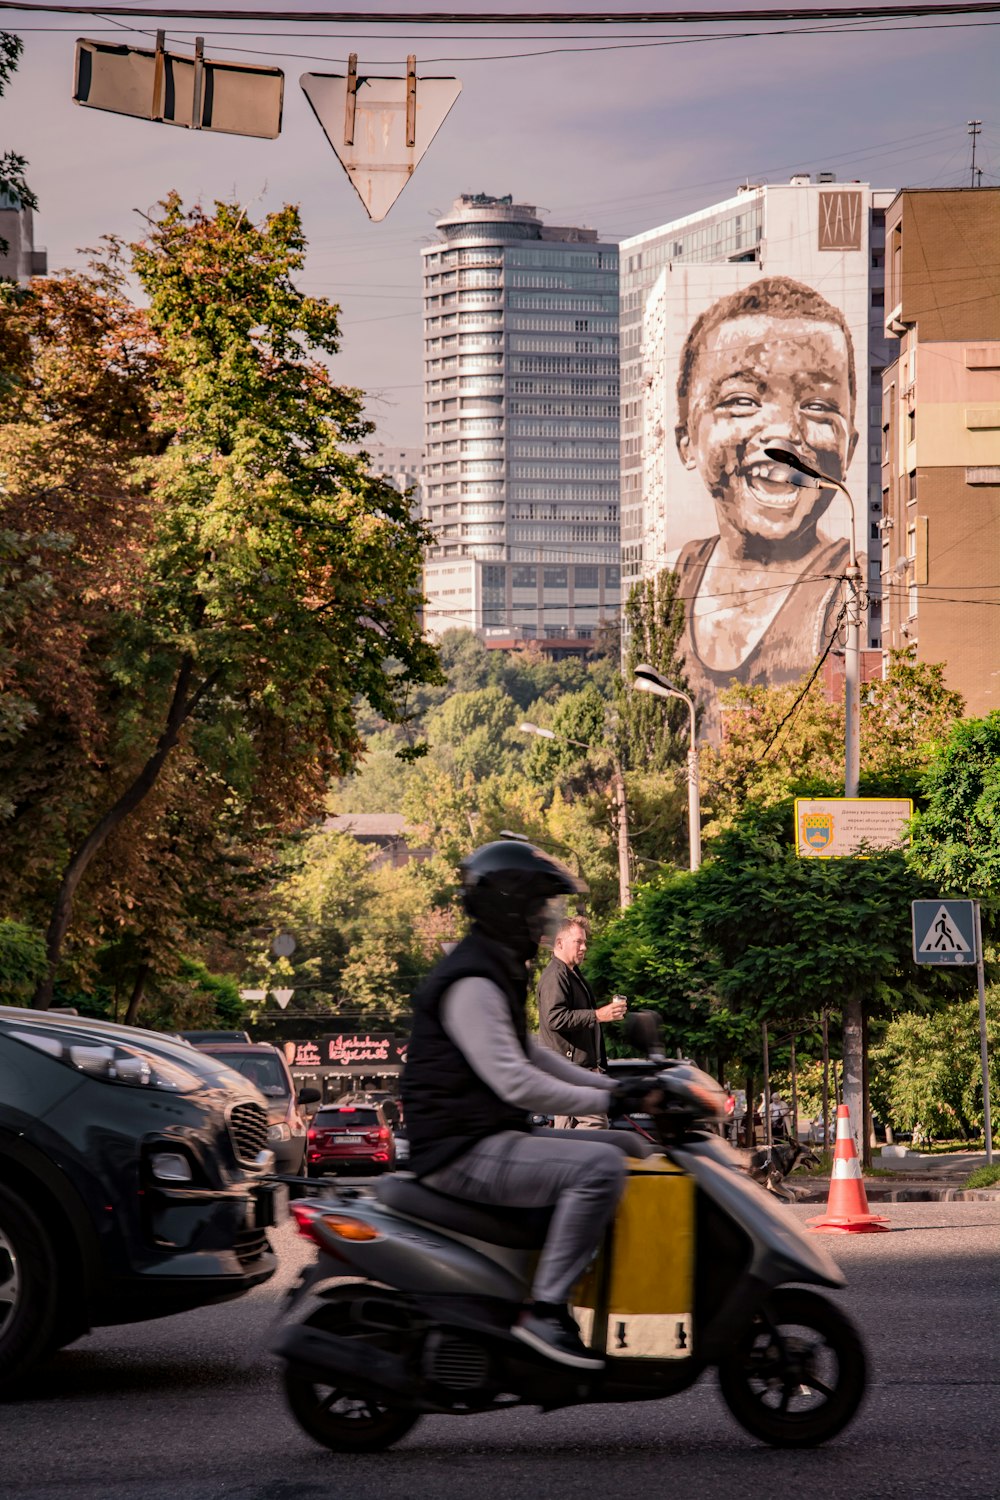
pixel 801 474
pixel 807 477
pixel 648 680
pixel 624 881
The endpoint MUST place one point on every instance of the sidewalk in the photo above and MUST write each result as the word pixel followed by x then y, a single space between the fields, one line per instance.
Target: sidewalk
pixel 916 1178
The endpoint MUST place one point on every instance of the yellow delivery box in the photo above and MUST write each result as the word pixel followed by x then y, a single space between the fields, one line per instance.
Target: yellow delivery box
pixel 637 1300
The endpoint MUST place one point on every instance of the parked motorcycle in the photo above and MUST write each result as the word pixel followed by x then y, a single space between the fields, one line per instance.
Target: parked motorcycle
pixel 695 1272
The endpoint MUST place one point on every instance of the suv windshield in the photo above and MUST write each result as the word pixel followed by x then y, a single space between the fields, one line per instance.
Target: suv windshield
pixel 348 1116
pixel 265 1071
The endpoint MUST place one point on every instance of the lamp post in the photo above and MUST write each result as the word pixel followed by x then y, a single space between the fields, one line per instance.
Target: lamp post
pixel 621 813
pixel 807 477
pixel 648 680
pixel 803 474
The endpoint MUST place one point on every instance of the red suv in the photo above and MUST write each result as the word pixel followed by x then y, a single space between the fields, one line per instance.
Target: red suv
pixel 348 1138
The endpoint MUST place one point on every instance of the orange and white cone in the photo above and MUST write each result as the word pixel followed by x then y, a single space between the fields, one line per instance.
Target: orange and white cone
pixel 847 1210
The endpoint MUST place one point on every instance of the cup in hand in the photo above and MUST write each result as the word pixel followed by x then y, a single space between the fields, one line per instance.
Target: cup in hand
pixel 619 1004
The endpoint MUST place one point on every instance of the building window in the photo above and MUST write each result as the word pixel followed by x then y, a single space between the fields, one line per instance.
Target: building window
pixel 554 578
pixel 587 578
pixel 878 296
pixel 911 426
pixel 524 578
pixel 912 487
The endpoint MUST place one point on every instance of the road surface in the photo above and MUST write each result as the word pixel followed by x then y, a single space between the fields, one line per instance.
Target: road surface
pixel 189 1408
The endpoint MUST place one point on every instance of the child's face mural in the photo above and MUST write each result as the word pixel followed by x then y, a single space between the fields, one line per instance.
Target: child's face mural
pixel 762 381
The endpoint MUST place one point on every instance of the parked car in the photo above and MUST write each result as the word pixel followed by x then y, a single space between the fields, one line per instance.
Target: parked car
pixel 131 1182
pixel 267 1069
pixel 350 1138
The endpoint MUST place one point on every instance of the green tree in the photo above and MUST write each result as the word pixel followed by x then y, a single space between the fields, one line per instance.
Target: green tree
pixel 365 933
pixel 578 724
pixel 956 837
pixel 475 730
pixel 927 1069
pixel 13 184
pixel 759 934
pixel 380 781
pixel 279 579
pixel 906 715
pixel 789 740
pixel 22 961
pixel 654 731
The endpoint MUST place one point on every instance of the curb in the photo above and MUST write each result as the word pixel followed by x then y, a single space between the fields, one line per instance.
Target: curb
pixel 907 1195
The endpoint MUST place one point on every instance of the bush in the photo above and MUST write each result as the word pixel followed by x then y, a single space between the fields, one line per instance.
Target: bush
pixel 22 962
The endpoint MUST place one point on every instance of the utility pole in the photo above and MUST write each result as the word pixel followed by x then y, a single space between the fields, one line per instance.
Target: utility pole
pixel 807 475
pixel 621 820
pixel 975 129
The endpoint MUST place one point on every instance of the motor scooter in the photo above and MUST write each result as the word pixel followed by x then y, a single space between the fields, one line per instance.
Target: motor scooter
pixel 408 1306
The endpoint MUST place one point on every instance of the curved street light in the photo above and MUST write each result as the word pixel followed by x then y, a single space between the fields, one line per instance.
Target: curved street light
pixel 648 680
pixel 803 474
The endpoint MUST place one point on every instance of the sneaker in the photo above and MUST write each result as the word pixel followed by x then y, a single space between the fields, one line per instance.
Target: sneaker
pixel 553 1332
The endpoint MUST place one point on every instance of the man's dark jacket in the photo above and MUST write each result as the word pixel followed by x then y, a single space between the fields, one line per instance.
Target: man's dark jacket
pixel 447 1106
pixel 567 1016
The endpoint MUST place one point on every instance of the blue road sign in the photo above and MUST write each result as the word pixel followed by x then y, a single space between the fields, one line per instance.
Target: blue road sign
pixel 944 932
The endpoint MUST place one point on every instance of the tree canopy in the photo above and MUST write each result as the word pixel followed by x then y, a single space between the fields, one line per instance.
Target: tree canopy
pixel 223 576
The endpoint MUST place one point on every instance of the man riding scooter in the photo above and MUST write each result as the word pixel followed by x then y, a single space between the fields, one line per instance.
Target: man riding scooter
pixel 473 1074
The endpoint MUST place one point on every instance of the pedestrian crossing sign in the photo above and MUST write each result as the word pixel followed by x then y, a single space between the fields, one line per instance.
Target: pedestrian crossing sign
pixel 944 932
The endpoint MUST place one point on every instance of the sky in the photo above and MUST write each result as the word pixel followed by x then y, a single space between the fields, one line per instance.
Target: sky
pixel 604 129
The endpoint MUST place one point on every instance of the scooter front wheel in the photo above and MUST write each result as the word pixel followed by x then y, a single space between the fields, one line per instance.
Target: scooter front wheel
pixel 340 1419
pixel 796 1377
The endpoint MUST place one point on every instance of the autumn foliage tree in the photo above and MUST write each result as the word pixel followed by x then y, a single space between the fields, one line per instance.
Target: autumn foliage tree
pixel 258 580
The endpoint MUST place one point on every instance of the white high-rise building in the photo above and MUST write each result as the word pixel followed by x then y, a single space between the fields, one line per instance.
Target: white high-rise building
pixel 521 427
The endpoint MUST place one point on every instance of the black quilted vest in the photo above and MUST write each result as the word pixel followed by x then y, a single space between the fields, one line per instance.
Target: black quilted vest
pixel 447 1105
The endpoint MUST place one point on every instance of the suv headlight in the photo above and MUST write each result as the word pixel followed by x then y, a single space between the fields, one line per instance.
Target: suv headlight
pixel 112 1062
pixel 279 1132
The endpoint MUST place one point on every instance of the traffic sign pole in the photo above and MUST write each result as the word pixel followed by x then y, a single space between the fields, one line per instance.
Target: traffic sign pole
pixel 983 1048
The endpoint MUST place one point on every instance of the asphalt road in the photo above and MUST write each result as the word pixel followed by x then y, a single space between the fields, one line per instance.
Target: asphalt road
pixel 189 1408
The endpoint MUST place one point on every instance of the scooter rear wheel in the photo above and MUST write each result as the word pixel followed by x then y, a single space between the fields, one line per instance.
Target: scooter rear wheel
pixel 339 1419
pixel 797 1376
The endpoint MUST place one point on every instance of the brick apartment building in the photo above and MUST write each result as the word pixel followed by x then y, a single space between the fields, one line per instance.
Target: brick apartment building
pixel 941 436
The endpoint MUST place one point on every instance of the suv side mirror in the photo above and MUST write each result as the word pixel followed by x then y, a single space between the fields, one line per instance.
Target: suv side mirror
pixel 309 1096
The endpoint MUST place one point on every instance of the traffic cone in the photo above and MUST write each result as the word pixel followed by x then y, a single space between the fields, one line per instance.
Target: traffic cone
pixel 847 1209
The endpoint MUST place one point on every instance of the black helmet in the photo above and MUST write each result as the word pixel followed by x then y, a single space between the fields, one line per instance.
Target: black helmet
pixel 506 887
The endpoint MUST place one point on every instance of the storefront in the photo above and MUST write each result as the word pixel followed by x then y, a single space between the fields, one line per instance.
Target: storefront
pixel 347 1062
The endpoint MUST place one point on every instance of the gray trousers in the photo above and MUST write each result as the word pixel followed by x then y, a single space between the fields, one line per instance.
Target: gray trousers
pixel 582 1178
pixel 581 1122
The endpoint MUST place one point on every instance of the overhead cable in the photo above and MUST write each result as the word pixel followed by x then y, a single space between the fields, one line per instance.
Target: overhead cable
pixel 514 18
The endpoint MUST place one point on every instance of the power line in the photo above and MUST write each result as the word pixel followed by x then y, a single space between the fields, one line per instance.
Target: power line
pixel 515 18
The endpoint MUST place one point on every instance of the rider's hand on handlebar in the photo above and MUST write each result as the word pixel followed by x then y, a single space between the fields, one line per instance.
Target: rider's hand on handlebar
pixel 636 1096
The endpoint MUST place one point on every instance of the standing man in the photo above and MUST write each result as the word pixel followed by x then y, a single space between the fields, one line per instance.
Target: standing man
pixel 569 1018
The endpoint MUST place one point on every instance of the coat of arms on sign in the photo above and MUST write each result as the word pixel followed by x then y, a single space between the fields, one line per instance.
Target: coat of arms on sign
pixel 817 830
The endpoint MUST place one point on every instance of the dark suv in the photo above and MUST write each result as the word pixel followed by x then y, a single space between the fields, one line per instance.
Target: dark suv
pixel 268 1071
pixel 131 1182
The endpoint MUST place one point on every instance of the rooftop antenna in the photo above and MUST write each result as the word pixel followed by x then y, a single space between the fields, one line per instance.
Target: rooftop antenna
pixel 975 129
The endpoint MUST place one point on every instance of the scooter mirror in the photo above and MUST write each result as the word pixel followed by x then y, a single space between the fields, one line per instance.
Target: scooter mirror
pixel 643 1032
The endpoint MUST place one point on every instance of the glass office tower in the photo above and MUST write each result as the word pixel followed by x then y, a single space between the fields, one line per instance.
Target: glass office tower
pixel 521 427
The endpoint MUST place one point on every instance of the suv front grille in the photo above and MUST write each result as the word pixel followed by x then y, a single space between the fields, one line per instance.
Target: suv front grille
pixel 248 1132
pixel 250 1245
